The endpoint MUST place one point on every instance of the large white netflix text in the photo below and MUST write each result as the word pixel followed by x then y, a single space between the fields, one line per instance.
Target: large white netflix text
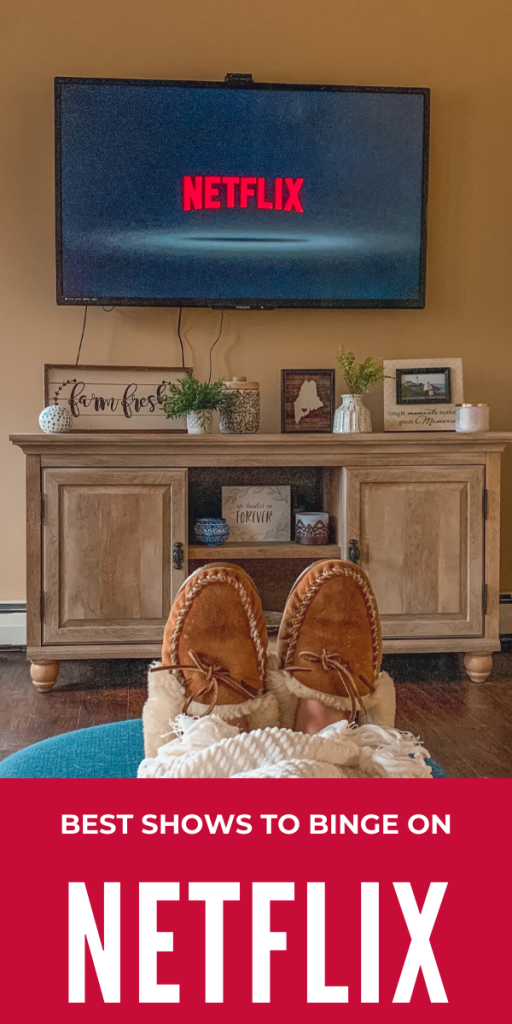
pixel 106 955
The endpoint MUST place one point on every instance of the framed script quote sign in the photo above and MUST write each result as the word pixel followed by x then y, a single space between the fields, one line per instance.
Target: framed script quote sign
pixel 257 513
pixel 113 399
pixel 421 394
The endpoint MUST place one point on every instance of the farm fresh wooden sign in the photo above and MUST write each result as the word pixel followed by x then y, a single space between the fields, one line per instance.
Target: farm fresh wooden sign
pixel 111 399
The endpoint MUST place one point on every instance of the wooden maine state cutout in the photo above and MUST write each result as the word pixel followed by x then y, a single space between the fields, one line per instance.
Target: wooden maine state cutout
pixel 307 401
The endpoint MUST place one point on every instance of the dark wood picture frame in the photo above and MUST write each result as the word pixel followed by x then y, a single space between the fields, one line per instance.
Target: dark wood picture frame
pixel 318 421
pixel 73 371
pixel 423 399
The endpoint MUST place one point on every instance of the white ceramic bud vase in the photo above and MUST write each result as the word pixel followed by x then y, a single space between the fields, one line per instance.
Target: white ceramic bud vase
pixel 200 422
pixel 352 417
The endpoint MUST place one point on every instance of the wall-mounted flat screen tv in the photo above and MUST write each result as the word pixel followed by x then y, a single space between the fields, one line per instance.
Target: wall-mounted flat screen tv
pixel 240 194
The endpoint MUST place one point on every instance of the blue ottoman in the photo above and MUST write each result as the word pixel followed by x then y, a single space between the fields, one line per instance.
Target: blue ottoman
pixel 102 752
pixel 111 751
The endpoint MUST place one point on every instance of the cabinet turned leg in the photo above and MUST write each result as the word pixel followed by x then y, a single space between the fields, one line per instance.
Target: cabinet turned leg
pixel 478 666
pixel 44 674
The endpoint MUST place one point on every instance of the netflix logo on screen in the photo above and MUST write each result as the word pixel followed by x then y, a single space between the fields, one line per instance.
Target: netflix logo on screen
pixel 213 191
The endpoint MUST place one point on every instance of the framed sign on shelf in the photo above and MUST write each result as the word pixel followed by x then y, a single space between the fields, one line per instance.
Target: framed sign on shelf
pixel 114 399
pixel 421 394
pixel 257 513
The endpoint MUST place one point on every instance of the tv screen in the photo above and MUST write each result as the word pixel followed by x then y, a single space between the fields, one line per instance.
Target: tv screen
pixel 240 195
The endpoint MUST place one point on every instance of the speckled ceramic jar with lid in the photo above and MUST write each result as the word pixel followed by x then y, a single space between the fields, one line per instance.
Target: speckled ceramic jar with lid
pixel 244 416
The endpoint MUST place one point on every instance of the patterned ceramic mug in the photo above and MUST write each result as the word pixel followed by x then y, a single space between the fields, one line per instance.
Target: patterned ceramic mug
pixel 311 527
pixel 211 531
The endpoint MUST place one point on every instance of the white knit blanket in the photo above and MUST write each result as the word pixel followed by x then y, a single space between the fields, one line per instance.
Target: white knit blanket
pixel 210 748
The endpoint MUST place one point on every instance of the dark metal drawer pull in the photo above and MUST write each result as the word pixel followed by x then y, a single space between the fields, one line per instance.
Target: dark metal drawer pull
pixel 177 555
pixel 354 553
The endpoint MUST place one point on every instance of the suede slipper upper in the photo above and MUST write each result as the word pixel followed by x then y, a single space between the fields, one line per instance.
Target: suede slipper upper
pixel 215 639
pixel 330 634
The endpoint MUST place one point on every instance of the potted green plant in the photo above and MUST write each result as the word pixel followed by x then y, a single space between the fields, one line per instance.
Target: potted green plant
pixel 352 417
pixel 196 400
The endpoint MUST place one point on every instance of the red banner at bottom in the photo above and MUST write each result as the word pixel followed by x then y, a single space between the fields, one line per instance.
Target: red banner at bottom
pixel 364 900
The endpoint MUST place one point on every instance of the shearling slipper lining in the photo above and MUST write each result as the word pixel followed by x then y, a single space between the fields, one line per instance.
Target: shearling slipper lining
pixel 379 706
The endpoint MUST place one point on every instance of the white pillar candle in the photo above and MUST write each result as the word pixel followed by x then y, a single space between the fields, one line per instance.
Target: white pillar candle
pixel 471 419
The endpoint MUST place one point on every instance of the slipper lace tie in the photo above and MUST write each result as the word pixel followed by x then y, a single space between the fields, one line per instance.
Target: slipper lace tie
pixel 334 662
pixel 214 674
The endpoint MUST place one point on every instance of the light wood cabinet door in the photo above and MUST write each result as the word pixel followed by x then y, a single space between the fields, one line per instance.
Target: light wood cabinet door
pixel 421 535
pixel 108 547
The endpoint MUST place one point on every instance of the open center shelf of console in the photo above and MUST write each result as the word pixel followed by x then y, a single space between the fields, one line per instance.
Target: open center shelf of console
pixel 269 549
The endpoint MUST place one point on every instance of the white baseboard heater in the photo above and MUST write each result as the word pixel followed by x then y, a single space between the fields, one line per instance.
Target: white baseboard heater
pixel 506 614
pixel 13 624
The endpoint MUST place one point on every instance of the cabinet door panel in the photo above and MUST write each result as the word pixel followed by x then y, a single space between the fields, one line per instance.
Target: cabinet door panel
pixel 421 536
pixel 108 553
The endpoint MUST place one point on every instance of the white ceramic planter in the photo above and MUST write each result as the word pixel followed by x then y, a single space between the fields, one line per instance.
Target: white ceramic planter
pixel 200 422
pixel 352 417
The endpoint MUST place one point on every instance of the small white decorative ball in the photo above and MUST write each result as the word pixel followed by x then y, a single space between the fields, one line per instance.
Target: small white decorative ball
pixel 56 419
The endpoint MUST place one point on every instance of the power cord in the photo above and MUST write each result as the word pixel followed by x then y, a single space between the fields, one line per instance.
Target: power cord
pixel 214 344
pixel 107 310
pixel 82 335
pixel 180 314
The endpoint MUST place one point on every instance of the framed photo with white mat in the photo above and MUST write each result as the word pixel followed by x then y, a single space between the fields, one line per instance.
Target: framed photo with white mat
pixel 421 394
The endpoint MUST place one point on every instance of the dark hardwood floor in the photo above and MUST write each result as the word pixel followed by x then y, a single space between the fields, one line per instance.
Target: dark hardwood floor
pixel 86 693
pixel 467 727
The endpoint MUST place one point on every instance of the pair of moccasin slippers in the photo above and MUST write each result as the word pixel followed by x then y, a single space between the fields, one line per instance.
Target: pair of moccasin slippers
pixel 329 648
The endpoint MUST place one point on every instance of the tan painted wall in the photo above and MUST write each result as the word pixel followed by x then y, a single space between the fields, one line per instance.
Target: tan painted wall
pixel 460 48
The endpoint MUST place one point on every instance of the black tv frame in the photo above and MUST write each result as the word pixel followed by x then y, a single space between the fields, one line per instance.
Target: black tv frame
pixel 241 82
